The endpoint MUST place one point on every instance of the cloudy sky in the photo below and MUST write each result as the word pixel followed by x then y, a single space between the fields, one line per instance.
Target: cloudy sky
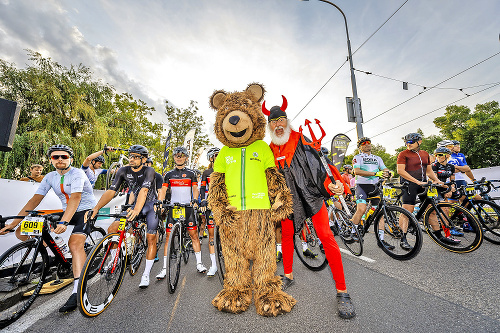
pixel 184 50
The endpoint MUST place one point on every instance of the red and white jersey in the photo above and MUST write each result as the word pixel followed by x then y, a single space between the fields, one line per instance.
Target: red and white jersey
pixel 205 183
pixel 181 182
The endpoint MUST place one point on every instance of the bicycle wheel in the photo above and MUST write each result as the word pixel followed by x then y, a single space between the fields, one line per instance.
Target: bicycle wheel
pixel 488 214
pixel 174 257
pixel 220 257
pixel 138 249
pixel 111 174
pixel 98 287
pixel 22 270
pixel 95 235
pixel 349 234
pixel 315 258
pixel 187 249
pixel 455 217
pixel 393 233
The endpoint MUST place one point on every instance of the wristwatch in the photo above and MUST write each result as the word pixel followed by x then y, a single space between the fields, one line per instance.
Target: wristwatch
pixel 63 222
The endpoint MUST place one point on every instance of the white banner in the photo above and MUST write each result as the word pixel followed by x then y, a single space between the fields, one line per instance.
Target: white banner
pixel 188 143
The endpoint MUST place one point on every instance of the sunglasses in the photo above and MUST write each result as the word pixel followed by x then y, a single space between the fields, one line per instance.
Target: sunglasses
pixel 179 155
pixel 134 157
pixel 441 154
pixel 365 143
pixel 56 157
pixel 409 142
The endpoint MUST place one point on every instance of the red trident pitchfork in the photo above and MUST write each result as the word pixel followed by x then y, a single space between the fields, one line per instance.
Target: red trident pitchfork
pixel 316 143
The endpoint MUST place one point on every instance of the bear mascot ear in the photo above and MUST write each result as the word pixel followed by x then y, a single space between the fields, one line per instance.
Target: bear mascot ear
pixel 257 90
pixel 217 99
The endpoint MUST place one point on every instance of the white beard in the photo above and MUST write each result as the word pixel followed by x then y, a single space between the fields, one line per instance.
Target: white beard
pixel 280 140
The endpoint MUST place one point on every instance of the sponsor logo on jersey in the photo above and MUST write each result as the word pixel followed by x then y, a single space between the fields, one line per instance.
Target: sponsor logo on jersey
pixel 230 159
pixel 255 154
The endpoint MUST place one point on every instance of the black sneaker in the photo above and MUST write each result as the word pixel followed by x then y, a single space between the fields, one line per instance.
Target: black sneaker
pixel 70 304
pixel 449 240
pixel 286 282
pixel 404 245
pixel 279 256
pixel 386 245
pixel 310 254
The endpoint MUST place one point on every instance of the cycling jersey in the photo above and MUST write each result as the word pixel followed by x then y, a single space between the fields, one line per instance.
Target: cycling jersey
pixel 370 163
pixel 443 171
pixel 415 163
pixel 136 180
pixel 181 182
pixel 205 183
pixel 458 159
pixel 158 180
pixel 73 181
pixel 92 175
pixel 244 169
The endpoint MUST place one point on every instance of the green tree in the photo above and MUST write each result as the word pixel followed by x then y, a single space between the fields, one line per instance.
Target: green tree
pixel 476 130
pixel 69 106
pixel 181 121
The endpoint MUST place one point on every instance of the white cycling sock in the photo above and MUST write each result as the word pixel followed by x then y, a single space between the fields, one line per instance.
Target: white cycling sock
pixel 278 247
pixel 198 257
pixel 381 234
pixel 165 262
pixel 304 246
pixel 212 257
pixel 149 265
pixel 75 285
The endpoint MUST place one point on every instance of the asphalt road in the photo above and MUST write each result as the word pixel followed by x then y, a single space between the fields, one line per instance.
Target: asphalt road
pixel 437 291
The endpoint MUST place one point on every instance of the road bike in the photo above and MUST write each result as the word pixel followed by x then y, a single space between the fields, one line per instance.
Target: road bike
pixel 387 218
pixel 342 226
pixel 24 267
pixel 104 269
pixel 309 248
pixel 442 216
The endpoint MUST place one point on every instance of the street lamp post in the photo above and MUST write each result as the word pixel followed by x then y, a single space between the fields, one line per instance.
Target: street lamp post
pixel 357 104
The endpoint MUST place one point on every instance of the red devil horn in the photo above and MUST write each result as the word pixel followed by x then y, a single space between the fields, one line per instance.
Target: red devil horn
pixel 264 110
pixel 284 105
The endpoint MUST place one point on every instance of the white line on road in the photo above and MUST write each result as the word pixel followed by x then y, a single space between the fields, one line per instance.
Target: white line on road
pixel 370 260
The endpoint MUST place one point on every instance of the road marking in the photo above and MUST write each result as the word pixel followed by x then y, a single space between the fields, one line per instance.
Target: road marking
pixel 370 260
pixel 176 303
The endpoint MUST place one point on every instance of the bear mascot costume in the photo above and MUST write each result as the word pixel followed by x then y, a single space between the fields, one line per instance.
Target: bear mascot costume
pixel 247 196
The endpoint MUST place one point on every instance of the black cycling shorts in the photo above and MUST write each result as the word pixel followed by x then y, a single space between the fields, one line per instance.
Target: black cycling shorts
pixel 410 194
pixel 78 221
pixel 151 218
pixel 362 191
pixel 209 217
pixel 190 220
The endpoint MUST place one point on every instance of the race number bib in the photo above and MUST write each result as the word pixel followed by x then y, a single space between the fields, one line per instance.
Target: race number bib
pixel 329 202
pixel 32 226
pixel 177 212
pixel 123 223
pixel 471 192
pixel 389 192
pixel 432 192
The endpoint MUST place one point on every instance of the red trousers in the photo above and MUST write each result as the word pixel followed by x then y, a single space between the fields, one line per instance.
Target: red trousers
pixel 332 252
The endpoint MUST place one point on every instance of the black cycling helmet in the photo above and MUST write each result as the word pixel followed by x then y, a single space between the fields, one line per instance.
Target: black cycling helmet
pixel 363 139
pixel 149 160
pixel 456 142
pixel 324 151
pixel 99 158
pixel 347 167
pixel 138 149
pixel 60 148
pixel 412 136
pixel 212 152
pixel 442 150
pixel 181 150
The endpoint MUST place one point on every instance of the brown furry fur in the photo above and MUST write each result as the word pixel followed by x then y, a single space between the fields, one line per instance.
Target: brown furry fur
pixel 248 235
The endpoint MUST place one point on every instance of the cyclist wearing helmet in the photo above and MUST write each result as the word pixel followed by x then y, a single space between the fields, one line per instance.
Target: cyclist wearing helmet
pixel 74 190
pixel 347 174
pixel 458 160
pixel 205 187
pixel 414 166
pixel 92 165
pixel 183 186
pixel 140 179
pixel 368 168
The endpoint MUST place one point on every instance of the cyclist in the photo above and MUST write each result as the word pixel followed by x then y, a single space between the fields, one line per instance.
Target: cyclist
pixel 458 160
pixel 140 180
pixel 309 185
pixel 184 190
pixel 347 175
pixel 368 168
pixel 92 165
pixel 77 197
pixel 413 166
pixel 205 185
pixel 159 184
pixel 35 174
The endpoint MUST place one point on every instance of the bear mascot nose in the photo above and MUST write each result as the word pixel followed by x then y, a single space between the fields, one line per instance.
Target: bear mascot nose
pixel 234 120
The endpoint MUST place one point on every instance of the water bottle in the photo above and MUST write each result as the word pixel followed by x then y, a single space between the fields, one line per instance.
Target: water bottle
pixel 62 245
pixel 370 212
pixel 130 238
pixel 415 211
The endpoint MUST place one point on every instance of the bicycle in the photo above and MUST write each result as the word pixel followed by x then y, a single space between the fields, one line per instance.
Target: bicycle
pixel 448 216
pixel 343 227
pixel 178 245
pixel 111 174
pixel 221 271
pixel 316 261
pixel 486 212
pixel 104 269
pixel 25 266
pixel 388 216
